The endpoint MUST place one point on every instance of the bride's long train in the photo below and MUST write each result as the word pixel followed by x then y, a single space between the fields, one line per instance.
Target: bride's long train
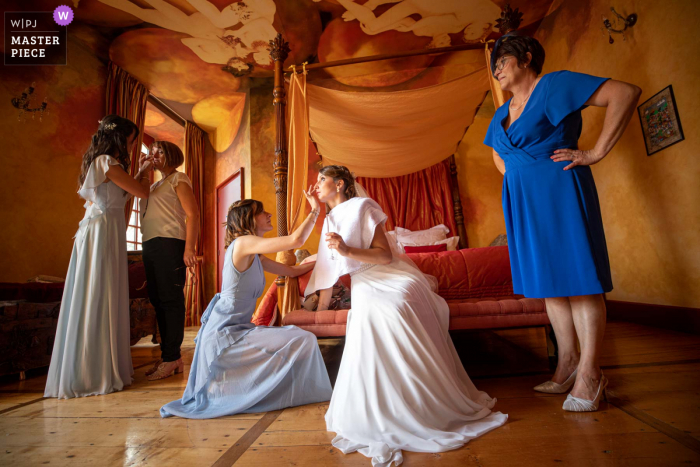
pixel 401 384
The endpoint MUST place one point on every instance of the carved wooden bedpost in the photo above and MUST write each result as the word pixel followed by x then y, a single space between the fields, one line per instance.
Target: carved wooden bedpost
pixel 459 216
pixel 279 50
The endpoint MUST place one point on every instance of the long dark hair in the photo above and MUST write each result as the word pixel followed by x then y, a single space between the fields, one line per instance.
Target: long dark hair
pixel 240 219
pixel 111 139
pixel 340 172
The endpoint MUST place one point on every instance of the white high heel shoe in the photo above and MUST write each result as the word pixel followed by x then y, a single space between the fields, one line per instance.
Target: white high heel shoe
pixel 575 404
pixel 550 387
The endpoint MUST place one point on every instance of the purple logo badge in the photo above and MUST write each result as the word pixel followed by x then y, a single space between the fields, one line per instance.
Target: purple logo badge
pixel 63 15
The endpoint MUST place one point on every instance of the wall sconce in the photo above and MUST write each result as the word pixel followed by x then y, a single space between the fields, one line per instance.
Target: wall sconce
pixel 24 100
pixel 630 21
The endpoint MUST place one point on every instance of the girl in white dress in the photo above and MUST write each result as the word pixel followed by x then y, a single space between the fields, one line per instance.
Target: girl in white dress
pixel 400 384
pixel 91 353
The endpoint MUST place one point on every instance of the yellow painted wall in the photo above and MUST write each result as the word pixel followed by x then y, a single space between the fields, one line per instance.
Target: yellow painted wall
pixel 480 182
pixel 40 162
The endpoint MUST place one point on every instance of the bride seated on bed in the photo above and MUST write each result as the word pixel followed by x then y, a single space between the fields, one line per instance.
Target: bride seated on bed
pixel 400 384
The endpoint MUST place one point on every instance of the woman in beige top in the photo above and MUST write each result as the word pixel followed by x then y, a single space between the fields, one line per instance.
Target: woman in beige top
pixel 170 227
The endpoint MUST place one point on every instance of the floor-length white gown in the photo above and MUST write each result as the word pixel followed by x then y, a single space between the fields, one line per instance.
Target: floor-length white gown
pixel 401 385
pixel 91 353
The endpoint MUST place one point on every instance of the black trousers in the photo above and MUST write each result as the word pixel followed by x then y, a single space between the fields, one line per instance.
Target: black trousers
pixel 166 274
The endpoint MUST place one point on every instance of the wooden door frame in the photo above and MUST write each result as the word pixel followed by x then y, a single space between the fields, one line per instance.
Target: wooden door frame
pixel 239 172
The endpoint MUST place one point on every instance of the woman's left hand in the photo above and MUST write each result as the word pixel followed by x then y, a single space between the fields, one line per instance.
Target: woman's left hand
pixel 190 258
pixel 335 242
pixel 576 156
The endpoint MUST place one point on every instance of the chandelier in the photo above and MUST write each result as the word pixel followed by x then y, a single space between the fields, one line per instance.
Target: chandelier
pixel 23 103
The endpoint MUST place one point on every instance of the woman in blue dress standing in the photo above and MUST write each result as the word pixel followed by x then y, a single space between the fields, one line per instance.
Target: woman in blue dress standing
pixel 238 367
pixel 550 204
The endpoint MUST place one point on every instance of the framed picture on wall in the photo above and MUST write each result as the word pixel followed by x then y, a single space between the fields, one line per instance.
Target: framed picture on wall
pixel 661 124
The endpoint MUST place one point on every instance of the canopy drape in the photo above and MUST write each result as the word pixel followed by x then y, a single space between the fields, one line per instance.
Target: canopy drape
pixel 416 201
pixel 388 134
pixel 194 288
pixel 297 176
pixel 126 97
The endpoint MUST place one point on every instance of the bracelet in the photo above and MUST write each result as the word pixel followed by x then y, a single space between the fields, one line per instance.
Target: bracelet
pixel 315 212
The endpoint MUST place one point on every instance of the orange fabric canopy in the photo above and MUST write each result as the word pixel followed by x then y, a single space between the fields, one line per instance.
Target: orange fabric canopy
pixel 388 134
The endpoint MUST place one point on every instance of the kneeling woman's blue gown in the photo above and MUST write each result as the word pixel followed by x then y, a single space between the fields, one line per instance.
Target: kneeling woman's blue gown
pixel 555 230
pixel 240 368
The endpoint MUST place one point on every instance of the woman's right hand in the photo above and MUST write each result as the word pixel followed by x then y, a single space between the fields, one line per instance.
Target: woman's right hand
pixel 145 161
pixel 312 199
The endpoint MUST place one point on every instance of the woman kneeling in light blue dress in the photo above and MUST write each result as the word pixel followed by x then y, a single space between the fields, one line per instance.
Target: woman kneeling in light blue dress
pixel 238 367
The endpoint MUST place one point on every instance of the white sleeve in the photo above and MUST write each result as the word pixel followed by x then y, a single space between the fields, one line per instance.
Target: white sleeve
pixel 180 177
pixel 97 174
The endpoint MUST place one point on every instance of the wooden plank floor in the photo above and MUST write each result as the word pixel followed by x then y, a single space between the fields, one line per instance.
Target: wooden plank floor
pixel 653 418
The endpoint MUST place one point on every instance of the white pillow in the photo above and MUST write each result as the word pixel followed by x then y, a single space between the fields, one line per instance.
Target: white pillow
pixel 421 237
pixel 452 243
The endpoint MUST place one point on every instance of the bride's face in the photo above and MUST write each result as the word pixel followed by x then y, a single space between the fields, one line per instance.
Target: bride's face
pixel 326 189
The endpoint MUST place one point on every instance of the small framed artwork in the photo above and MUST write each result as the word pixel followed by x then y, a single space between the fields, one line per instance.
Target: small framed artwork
pixel 661 124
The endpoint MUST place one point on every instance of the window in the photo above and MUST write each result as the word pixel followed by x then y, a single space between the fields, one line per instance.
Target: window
pixel 133 231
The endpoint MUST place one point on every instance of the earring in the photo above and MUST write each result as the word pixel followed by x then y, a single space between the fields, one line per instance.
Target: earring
pixel 337 189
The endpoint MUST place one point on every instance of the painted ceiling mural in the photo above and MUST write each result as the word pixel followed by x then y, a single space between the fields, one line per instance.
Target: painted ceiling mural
pixel 200 56
pixel 163 128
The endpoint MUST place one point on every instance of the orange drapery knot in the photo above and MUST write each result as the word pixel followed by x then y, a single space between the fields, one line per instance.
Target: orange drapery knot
pixel 287 257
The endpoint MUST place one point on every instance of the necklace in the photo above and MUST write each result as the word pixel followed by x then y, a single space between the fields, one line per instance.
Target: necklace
pixel 524 100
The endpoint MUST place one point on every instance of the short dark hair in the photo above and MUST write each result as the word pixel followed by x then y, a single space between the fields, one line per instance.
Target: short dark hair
pixel 518 47
pixel 173 154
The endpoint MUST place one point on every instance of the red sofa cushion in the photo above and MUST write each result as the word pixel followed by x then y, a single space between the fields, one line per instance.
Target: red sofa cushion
pixel 266 310
pixel 426 248
pixel 463 274
pixel 469 273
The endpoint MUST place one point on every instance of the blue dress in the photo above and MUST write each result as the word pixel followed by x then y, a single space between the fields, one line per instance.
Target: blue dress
pixel 555 230
pixel 240 368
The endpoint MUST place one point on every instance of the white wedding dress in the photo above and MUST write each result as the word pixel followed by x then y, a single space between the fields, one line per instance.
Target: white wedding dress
pixel 91 353
pixel 401 385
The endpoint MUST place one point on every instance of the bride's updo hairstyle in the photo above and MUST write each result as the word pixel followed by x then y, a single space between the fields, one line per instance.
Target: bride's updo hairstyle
pixel 340 172
pixel 241 219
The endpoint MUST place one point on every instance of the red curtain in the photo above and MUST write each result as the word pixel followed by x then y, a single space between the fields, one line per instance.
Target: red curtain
pixel 126 97
pixel 415 201
pixel 194 168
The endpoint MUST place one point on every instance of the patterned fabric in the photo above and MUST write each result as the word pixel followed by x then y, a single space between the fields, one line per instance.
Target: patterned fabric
pixel 126 97
pixel 194 155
